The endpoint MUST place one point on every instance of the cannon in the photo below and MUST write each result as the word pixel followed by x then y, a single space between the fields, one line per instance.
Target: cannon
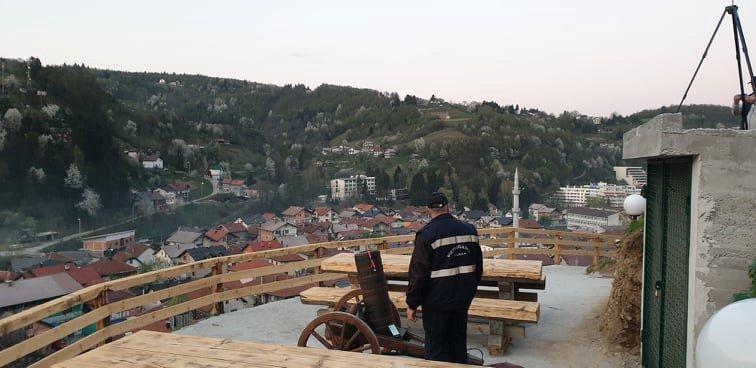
pixel 365 320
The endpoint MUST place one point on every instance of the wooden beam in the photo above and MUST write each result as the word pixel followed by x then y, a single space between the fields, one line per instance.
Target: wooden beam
pixel 37 342
pixel 146 319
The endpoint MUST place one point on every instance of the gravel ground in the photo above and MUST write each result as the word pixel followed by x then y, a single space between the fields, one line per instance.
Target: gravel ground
pixel 566 336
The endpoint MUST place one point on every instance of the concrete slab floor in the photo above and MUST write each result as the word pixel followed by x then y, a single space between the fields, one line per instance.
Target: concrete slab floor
pixel 566 336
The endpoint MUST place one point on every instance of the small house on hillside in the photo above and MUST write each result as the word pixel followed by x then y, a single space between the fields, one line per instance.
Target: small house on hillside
pixel 152 162
pixel 590 219
pixel 363 207
pixel 109 269
pixel 169 253
pixel 233 186
pixel 297 215
pixel 262 246
pixel 326 214
pixel 216 172
pixel 99 244
pixel 185 237
pixel 180 190
pixel 218 236
pixel 274 229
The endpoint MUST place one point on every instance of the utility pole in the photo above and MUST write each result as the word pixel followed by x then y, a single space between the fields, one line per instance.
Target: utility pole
pixel 79 219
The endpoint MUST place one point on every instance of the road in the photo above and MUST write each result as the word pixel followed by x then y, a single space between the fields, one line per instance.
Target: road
pixel 37 249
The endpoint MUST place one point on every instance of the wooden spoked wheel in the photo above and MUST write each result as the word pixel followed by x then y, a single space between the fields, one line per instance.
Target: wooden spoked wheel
pixel 353 303
pixel 341 331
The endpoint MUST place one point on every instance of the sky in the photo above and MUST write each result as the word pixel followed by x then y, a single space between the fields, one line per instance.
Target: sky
pixel 595 57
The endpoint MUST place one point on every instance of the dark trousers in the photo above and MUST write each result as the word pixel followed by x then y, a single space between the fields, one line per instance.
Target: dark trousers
pixel 445 335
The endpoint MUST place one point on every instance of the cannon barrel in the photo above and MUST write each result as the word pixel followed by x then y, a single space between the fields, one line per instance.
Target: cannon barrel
pixel 378 311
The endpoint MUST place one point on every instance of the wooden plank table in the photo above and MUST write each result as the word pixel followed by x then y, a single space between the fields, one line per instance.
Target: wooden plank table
pixel 155 349
pixel 397 266
pixel 503 272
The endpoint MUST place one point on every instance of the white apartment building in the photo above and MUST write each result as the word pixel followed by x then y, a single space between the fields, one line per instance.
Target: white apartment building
pixel 633 175
pixel 575 196
pixel 350 187
pixel 590 219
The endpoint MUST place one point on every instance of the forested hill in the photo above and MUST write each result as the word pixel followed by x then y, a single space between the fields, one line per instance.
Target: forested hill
pixel 74 116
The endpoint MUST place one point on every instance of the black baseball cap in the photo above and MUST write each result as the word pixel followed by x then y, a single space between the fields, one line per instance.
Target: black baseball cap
pixel 437 200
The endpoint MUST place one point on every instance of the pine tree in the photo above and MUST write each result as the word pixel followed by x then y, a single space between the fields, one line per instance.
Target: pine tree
pixel 417 192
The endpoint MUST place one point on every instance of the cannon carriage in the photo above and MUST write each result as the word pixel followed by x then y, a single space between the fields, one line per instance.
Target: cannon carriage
pixel 365 319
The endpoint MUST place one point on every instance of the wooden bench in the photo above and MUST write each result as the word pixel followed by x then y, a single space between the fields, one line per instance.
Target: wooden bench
pixel 494 309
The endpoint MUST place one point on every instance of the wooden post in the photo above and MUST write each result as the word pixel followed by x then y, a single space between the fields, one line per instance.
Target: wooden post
pixel 319 253
pixel 100 301
pixel 498 338
pixel 596 251
pixel 558 249
pixel 383 245
pixel 217 288
pixel 512 241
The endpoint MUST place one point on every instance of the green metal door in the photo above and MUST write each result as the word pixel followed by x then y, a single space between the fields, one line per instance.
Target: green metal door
pixel 665 280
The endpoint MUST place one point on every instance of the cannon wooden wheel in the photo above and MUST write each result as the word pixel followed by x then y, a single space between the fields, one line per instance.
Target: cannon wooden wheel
pixel 354 301
pixel 341 331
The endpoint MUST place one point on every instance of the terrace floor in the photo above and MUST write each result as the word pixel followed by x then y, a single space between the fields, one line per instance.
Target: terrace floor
pixel 566 336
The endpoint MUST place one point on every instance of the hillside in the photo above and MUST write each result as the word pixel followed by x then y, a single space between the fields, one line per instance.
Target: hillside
pixel 273 137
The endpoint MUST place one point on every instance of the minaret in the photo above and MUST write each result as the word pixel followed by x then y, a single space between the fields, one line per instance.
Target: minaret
pixel 516 200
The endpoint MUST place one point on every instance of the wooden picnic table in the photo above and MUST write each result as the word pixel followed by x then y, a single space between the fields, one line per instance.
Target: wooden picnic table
pixel 505 274
pixel 165 350
pixel 397 266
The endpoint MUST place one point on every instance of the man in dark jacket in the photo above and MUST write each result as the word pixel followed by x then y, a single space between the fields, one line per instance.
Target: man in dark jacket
pixel 444 273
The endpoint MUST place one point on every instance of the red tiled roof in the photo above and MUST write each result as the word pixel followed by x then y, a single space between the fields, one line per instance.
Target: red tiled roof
pixel 248 265
pixel 315 238
pixel 262 245
pixel 376 221
pixel 179 186
pixel 236 227
pixel 122 257
pixel 254 229
pixel 86 276
pixel 59 257
pixel 318 226
pixel 321 211
pixel 286 258
pixel 268 216
pixel 363 207
pixel 217 234
pixel 49 270
pixel 151 158
pixel 106 267
pixel 233 182
pixel 292 211
pixel 136 250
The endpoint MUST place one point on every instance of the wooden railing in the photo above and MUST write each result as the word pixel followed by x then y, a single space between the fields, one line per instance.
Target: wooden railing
pixel 504 242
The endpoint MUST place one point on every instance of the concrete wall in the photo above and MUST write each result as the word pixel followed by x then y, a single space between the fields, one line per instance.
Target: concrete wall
pixel 723 213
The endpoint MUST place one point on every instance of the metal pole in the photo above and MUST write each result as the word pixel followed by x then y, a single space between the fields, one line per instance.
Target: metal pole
pixel 706 52
pixel 79 219
pixel 745 47
pixel 733 11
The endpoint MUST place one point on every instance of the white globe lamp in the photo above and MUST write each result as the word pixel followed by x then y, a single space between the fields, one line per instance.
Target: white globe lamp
pixel 728 339
pixel 634 205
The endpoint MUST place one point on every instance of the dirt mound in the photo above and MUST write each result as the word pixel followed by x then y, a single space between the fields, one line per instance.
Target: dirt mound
pixel 622 319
